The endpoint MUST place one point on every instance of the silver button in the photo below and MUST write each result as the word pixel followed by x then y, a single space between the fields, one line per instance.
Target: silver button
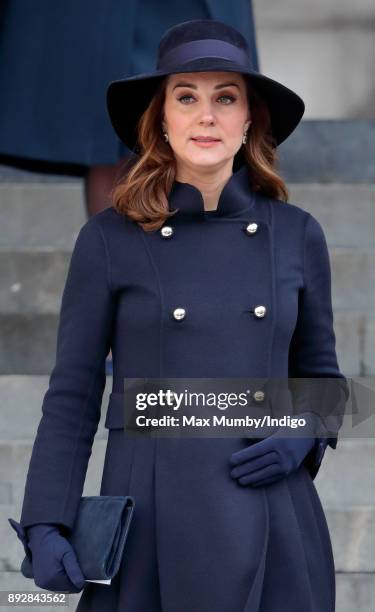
pixel 179 313
pixel 260 311
pixel 259 396
pixel 252 228
pixel 166 231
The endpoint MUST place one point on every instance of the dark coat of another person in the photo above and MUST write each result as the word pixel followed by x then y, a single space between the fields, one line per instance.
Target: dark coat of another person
pixel 199 540
pixel 57 58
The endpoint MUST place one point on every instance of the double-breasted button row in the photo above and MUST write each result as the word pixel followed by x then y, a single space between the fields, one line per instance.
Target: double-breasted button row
pixel 250 229
pixel 180 313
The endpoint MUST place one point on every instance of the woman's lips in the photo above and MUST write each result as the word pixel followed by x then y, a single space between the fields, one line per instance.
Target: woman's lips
pixel 205 143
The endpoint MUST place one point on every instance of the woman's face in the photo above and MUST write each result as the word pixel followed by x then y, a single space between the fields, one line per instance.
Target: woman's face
pixel 205 104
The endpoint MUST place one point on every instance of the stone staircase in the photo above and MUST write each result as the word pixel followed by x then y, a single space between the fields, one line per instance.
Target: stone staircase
pixel 329 174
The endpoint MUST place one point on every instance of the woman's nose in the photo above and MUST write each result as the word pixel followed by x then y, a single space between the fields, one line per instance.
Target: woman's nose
pixel 207 116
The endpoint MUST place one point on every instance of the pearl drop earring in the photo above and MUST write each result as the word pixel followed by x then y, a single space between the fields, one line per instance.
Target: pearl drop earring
pixel 166 137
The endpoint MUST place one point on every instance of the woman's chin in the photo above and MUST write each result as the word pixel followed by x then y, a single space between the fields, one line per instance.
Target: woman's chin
pixel 207 159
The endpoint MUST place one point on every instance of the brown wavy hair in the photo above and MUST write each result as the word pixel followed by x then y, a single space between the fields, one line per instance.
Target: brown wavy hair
pixel 146 180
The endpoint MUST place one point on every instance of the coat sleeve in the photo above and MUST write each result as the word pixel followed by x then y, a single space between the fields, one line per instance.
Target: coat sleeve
pixel 312 352
pixel 72 403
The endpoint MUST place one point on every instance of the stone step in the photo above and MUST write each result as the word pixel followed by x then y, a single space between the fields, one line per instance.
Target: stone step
pixel 355 342
pixel 346 212
pixel 41 214
pixel 346 477
pixel 354 591
pixel 29 342
pixel 32 280
pixel 353 538
pixel 17 455
pixel 21 399
pixel 327 149
pixel 351 530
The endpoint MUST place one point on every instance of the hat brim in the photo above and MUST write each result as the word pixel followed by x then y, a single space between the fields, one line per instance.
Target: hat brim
pixel 128 98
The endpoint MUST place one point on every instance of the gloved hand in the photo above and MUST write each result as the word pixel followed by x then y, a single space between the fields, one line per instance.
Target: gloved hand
pixel 55 565
pixel 276 456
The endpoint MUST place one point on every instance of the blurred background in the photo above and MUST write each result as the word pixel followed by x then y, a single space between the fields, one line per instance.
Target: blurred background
pixel 325 51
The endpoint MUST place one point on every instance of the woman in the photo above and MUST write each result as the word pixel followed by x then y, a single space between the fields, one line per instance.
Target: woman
pixel 200 269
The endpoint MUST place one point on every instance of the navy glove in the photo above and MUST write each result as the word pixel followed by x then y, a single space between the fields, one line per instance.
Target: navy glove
pixel 276 456
pixel 55 565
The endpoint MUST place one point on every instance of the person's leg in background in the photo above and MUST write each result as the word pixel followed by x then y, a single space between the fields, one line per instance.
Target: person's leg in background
pixel 98 183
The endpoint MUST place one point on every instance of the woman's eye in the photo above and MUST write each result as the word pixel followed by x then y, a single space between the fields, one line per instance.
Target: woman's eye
pixel 232 98
pixel 183 97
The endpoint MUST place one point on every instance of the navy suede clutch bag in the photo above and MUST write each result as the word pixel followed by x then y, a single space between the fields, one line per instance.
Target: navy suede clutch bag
pixel 98 536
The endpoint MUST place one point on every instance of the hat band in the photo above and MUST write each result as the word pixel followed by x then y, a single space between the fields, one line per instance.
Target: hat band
pixel 202 49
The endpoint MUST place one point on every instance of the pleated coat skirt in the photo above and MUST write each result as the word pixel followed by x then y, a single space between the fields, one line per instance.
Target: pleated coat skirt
pixel 201 542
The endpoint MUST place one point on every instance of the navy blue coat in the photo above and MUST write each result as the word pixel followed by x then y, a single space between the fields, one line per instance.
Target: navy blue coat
pixel 57 59
pixel 199 540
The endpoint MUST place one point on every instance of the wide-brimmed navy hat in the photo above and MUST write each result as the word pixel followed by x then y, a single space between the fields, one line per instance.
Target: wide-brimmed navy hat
pixel 200 45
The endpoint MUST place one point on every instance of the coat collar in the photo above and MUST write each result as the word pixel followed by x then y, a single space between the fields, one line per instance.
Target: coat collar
pixel 236 198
